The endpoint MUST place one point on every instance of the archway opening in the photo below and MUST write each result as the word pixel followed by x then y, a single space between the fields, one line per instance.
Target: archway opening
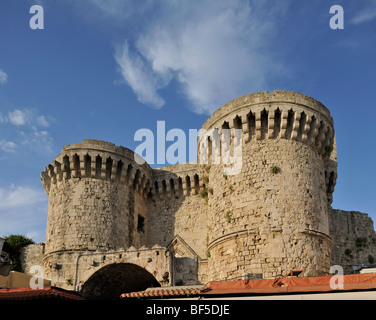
pixel 112 280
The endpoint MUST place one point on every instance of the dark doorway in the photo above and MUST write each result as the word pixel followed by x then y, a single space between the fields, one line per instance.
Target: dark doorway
pixel 112 280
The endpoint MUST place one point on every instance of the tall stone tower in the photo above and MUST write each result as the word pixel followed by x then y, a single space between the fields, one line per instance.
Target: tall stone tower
pixel 272 217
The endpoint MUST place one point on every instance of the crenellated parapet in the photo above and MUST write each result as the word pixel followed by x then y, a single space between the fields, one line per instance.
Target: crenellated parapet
pixel 99 160
pixel 177 181
pixel 277 115
pixel 280 115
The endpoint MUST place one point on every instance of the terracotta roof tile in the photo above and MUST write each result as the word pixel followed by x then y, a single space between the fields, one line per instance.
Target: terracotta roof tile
pixel 164 292
pixel 48 292
pixel 278 285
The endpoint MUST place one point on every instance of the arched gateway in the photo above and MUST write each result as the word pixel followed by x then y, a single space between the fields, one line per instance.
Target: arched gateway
pixel 112 280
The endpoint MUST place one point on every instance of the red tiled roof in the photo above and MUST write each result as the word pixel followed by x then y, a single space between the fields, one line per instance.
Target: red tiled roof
pixel 164 292
pixel 291 285
pixel 48 292
pixel 263 286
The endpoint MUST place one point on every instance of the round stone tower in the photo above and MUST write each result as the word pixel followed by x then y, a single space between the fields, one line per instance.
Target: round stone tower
pixel 271 216
pixel 97 202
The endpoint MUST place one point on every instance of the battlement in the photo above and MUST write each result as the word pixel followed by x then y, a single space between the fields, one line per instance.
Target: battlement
pixel 277 115
pixel 98 160
pixel 177 180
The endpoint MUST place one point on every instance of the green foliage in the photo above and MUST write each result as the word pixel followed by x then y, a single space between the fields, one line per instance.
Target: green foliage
pixel 329 149
pixel 275 169
pixel 204 193
pixel 17 242
pixel 361 242
pixel 228 216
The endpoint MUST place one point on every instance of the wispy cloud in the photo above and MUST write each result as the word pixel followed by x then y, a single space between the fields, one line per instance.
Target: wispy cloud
pixel 139 76
pixel 23 211
pixel 367 14
pixel 19 117
pixel 20 197
pixel 27 128
pixel 7 146
pixel 3 77
pixel 213 51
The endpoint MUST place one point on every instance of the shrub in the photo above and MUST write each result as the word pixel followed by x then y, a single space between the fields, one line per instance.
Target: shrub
pixel 228 216
pixel 17 242
pixel 275 169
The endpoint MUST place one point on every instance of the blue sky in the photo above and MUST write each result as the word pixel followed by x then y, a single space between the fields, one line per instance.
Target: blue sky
pixel 104 69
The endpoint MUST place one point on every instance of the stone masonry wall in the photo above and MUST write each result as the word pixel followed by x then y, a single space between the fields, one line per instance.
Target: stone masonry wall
pixel 354 239
pixel 272 217
pixel 270 223
pixel 178 219
pixel 32 255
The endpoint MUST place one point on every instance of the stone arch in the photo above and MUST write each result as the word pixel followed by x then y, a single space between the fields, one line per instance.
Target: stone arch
pixel 114 279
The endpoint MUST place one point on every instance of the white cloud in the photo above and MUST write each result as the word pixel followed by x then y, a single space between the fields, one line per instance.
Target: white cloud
pixel 19 117
pixel 3 77
pixel 139 77
pixel 7 146
pixel 212 49
pixel 33 133
pixel 42 121
pixel 23 210
pixel 20 197
pixel 25 117
pixel 367 14
pixel 3 119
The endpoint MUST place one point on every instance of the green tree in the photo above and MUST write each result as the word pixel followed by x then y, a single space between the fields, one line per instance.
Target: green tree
pixel 17 242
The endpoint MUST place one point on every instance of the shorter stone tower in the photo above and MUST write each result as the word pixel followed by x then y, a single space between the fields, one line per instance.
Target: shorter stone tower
pixel 97 202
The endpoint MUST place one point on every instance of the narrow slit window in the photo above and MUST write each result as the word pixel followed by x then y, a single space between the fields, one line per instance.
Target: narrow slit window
pixel 140 224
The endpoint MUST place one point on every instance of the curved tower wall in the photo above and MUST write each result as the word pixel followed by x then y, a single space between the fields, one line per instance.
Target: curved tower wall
pixel 97 200
pixel 272 217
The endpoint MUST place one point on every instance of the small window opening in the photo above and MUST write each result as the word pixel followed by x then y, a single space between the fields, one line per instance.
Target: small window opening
pixel 141 224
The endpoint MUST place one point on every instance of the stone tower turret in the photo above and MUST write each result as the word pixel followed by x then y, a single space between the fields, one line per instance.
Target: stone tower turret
pixel 271 217
pixel 97 201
